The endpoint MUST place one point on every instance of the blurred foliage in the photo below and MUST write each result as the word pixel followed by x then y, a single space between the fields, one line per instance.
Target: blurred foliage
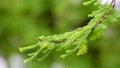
pixel 22 21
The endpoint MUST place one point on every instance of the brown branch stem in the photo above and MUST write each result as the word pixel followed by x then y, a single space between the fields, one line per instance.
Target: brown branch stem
pixel 105 14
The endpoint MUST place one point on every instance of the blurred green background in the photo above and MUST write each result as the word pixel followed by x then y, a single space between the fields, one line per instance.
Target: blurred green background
pixel 22 21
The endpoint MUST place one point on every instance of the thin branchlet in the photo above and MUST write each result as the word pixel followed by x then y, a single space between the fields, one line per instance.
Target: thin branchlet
pixel 106 13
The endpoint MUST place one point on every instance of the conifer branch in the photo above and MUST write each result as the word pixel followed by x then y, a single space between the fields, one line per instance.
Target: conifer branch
pixel 73 41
